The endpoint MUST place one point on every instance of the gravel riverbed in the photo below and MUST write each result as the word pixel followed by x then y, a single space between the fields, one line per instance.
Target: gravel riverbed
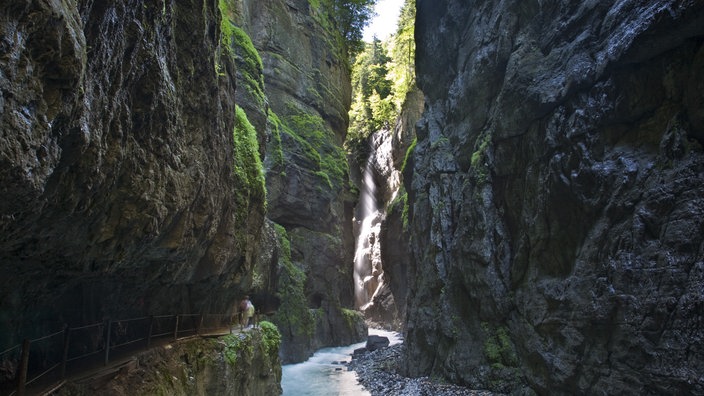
pixel 378 372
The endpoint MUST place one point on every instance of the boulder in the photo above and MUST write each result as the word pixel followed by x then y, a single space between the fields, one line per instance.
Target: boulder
pixel 375 342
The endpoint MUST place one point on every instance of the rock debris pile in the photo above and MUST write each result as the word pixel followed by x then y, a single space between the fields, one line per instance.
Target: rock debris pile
pixel 378 372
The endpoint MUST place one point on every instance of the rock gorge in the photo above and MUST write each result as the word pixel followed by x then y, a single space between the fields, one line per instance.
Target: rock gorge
pixel 120 191
pixel 556 197
pixel 299 94
pixel 132 142
pixel 543 233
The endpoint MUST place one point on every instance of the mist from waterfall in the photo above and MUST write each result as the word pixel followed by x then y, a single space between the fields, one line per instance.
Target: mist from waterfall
pixel 367 220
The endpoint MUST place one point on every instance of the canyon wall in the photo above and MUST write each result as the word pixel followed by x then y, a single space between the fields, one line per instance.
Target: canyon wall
pixel 126 188
pixel 390 243
pixel 244 364
pixel 556 197
pixel 132 174
pixel 301 97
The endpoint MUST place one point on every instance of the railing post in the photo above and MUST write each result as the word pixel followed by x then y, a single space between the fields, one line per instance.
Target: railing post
pixel 24 363
pixel 107 342
pixel 67 340
pixel 199 325
pixel 151 329
pixel 176 329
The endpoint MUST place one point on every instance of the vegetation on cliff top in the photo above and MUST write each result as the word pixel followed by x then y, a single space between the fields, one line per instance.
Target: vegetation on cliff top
pixel 271 339
pixel 266 339
pixel 382 74
pixel 349 17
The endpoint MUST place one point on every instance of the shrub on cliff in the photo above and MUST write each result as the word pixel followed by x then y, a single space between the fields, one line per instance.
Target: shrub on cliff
pixel 271 338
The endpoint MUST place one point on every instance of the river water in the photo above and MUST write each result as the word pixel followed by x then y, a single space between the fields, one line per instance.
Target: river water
pixel 325 372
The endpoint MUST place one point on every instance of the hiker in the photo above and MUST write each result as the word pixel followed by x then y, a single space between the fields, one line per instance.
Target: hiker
pixel 250 313
pixel 246 312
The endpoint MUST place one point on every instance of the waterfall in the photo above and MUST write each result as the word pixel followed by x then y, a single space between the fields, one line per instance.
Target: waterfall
pixel 366 251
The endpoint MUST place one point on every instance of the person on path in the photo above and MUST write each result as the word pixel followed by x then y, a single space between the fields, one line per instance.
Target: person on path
pixel 246 309
pixel 250 313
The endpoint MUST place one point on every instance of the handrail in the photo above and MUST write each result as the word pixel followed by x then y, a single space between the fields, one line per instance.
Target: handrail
pixel 11 348
pixel 88 326
pixel 46 337
pixel 28 363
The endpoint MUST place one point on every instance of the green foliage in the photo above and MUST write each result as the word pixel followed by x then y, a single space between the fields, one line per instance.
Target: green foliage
pixel 352 16
pixel 271 338
pixel 382 75
pixel 349 17
pixel 403 53
pixel 373 105
pixel 236 346
pixel 402 201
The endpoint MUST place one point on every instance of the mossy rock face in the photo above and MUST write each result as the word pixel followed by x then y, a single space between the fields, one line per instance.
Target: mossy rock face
pixel 306 88
pixel 237 364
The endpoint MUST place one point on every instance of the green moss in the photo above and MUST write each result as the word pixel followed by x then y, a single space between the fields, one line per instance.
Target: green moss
pixel 238 45
pixel 275 152
pixel 401 199
pixel 247 163
pixel 352 317
pixel 316 140
pixel 293 315
pixel 319 12
pixel 480 153
pixel 226 33
pixel 483 143
pixel 442 142
pixel 252 58
pixel 249 64
pixel 409 152
pixel 498 347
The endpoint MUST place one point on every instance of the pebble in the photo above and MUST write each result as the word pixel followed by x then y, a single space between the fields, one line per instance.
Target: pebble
pixel 377 372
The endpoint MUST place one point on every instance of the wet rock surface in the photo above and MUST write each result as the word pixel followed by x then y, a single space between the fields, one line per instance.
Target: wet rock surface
pixel 391 244
pixel 378 372
pixel 556 197
pixel 118 193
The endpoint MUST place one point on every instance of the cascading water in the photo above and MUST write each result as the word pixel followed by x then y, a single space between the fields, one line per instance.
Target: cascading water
pixel 325 373
pixel 366 253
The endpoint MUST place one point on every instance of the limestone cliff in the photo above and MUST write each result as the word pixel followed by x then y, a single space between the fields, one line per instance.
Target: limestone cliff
pixel 129 187
pixel 556 197
pixel 301 96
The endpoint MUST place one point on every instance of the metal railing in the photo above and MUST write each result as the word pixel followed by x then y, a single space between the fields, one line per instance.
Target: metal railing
pixel 48 358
